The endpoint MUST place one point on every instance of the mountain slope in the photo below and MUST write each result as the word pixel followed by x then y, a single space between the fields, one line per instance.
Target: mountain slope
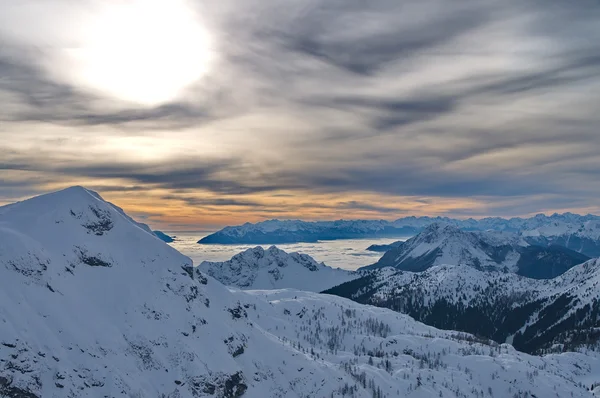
pixel 534 315
pixel 92 304
pixel 273 268
pixel 440 244
pixel 445 244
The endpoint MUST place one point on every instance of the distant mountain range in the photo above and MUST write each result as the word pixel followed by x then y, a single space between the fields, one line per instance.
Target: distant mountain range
pixel 575 232
pixel 273 268
pixel 293 231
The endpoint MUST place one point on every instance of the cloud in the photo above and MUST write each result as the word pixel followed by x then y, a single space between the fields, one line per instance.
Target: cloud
pixel 382 41
pixel 493 102
pixel 36 97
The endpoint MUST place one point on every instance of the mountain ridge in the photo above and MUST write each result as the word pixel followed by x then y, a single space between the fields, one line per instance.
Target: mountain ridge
pixel 273 268
pixel 558 229
pixel 445 244
pixel 536 315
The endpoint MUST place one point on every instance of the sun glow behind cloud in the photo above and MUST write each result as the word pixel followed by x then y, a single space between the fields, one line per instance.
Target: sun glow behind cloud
pixel 141 51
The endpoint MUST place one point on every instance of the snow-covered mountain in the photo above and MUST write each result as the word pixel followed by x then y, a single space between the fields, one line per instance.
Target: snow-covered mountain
pixel 93 304
pixel 292 231
pixel 441 243
pixel 273 268
pixel 445 244
pixel 578 233
pixel 534 315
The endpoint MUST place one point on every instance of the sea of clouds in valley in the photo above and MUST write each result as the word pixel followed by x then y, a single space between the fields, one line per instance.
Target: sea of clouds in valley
pixel 349 254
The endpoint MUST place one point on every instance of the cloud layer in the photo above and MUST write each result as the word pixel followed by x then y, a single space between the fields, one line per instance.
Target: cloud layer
pixel 321 109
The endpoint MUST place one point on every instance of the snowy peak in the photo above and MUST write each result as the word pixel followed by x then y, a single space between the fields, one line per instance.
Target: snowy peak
pixel 273 268
pixel 66 208
pixel 77 226
pixel 442 243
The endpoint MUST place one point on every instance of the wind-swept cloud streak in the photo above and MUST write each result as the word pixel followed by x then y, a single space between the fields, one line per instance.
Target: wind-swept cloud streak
pixel 321 108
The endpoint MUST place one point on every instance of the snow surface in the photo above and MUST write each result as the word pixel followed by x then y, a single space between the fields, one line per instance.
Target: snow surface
pixel 93 304
pixel 273 268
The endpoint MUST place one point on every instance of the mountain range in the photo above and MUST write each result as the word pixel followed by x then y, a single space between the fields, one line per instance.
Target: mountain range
pixel 93 304
pixel 496 285
pixel 445 244
pixel 575 232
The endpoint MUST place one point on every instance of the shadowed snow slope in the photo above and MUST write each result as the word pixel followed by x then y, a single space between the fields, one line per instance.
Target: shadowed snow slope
pixel 93 304
pixel 273 268
pixel 535 315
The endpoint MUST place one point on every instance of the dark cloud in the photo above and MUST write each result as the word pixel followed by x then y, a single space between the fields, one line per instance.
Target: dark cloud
pixel 170 175
pixel 316 33
pixel 573 67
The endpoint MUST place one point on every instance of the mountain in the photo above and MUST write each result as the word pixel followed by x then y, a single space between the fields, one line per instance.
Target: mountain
pixel 93 304
pixel 440 244
pixel 534 315
pixel 164 237
pixel 273 268
pixel 446 244
pixel 585 241
pixel 385 248
pixel 293 231
pixel 575 232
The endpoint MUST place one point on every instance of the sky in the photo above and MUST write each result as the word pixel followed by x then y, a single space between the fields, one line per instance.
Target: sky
pixel 192 115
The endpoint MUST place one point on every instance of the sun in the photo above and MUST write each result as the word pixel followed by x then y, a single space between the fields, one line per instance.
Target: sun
pixel 142 51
